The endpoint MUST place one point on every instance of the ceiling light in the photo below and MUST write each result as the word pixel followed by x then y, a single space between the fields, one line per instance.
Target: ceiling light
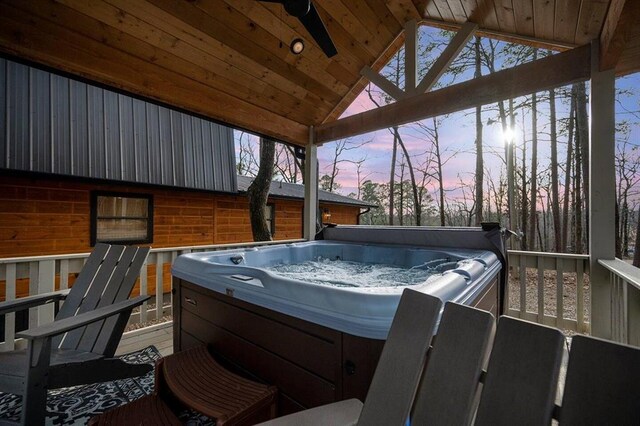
pixel 297 46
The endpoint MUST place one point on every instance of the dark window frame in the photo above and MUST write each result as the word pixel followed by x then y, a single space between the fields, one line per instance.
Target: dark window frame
pixel 94 217
pixel 272 206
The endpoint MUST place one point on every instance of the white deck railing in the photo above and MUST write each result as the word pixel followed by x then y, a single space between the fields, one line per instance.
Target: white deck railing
pixel 549 288
pixel 625 301
pixel 48 273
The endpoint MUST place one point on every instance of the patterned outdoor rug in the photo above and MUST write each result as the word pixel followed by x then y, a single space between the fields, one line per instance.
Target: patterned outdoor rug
pixel 76 405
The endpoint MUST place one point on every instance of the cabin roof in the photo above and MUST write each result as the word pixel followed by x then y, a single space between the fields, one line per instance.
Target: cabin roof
pixel 296 191
pixel 230 61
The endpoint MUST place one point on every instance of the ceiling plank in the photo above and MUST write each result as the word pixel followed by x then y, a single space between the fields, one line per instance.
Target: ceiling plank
pixel 506 18
pixel 459 13
pixel 523 14
pixel 444 10
pixel 621 18
pixel 353 26
pixel 33 38
pixel 592 16
pixel 569 67
pixel 566 20
pixel 403 10
pixel 431 11
pixel 543 18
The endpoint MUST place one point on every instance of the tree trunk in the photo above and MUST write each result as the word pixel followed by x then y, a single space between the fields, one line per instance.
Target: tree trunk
pixel 258 191
pixel 436 141
pixel 534 170
pixel 479 159
pixel 414 185
pixel 636 253
pixel 567 177
pixel 582 132
pixel 392 175
pixel 555 193
pixel 577 190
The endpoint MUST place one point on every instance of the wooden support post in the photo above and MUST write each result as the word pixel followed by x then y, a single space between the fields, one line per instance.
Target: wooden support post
pixel 602 186
pixel 310 187
pixel 410 55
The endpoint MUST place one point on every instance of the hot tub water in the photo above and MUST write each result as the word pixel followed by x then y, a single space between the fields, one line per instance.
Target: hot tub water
pixel 341 273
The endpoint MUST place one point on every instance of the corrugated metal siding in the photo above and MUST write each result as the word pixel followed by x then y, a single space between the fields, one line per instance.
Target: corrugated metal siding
pixel 53 124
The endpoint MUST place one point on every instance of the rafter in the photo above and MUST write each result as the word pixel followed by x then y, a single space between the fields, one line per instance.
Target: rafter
pixel 451 52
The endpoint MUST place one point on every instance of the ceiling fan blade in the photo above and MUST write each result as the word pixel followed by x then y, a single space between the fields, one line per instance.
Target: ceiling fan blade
pixel 313 23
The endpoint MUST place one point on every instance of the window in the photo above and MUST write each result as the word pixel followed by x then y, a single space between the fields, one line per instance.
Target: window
pixel 121 218
pixel 270 216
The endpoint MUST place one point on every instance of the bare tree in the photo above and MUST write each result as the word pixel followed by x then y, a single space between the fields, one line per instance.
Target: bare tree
pixel 258 191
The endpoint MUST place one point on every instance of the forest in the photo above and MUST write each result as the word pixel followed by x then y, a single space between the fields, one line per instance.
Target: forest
pixel 460 169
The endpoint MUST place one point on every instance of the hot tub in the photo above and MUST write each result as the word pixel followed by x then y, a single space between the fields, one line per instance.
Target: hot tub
pixel 255 275
pixel 316 341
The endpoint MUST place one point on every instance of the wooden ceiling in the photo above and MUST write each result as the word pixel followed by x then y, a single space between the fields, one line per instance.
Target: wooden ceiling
pixel 229 60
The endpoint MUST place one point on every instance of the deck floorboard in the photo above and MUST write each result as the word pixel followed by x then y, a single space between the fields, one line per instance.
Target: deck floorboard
pixel 159 335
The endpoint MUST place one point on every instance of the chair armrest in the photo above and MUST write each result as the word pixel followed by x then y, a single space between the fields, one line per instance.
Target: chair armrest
pixel 31 301
pixel 71 323
pixel 341 413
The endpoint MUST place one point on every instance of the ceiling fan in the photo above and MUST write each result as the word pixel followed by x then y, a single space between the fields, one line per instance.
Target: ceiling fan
pixel 308 15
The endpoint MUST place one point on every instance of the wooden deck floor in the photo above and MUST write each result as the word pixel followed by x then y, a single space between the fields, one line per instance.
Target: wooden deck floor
pixel 158 335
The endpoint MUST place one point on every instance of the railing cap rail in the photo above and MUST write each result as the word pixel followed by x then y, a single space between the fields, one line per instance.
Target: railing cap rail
pixel 626 271
pixel 153 250
pixel 546 254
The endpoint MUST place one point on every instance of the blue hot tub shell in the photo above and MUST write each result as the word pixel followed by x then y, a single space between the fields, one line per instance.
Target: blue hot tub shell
pixel 359 311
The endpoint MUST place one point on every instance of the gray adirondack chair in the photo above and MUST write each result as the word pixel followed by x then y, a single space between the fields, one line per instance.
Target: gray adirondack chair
pixel 78 346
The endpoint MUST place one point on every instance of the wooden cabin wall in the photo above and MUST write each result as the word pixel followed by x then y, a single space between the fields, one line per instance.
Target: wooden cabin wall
pixel 44 216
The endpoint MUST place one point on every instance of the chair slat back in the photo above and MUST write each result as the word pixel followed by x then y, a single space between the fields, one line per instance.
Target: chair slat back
pixel 400 367
pixel 522 375
pixel 602 385
pixel 81 285
pixel 100 287
pixel 450 383
pixel 111 332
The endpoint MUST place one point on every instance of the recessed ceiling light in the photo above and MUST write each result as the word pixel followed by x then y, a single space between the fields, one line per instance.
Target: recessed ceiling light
pixel 297 46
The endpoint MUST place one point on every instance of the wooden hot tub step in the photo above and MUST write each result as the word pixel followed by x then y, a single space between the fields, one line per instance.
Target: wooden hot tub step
pixel 193 379
pixel 197 381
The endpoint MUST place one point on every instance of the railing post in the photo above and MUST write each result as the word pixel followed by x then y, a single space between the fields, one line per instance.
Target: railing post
pixel 143 291
pixel 159 284
pixel 10 319
pixel 559 294
pixel 580 296
pixel 540 265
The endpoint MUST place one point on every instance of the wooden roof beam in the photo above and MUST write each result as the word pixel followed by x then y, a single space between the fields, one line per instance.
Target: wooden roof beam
pixel 621 17
pixel 553 71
